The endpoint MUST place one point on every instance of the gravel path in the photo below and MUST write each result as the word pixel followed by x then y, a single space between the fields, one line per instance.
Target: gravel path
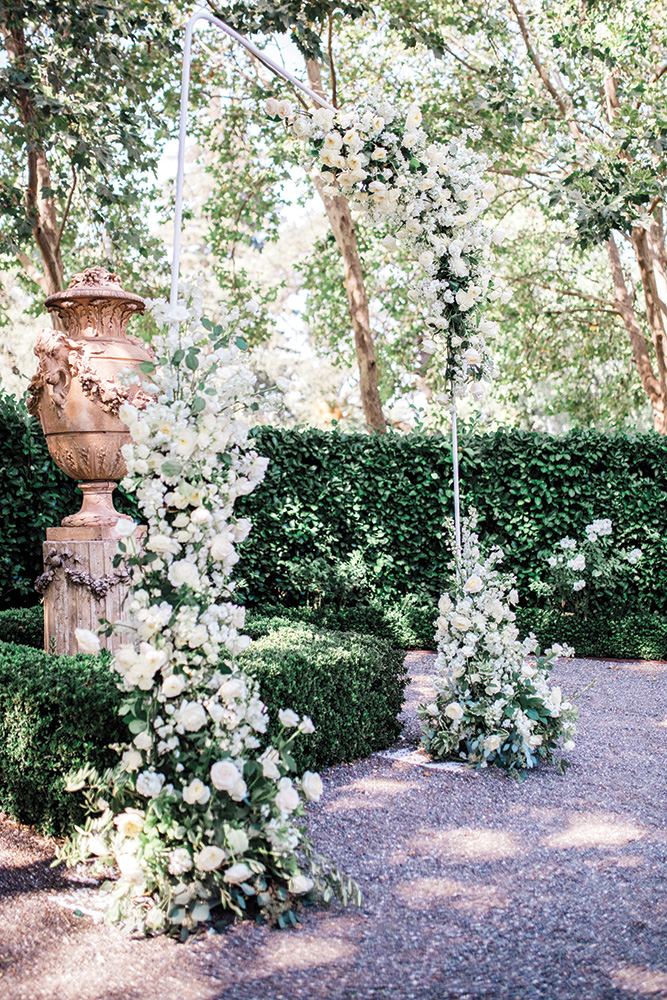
pixel 475 886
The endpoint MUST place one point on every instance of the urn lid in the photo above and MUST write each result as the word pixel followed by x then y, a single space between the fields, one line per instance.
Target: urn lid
pixel 94 283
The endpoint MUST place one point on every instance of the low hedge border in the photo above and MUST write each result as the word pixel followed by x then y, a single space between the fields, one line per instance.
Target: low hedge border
pixel 638 635
pixel 59 712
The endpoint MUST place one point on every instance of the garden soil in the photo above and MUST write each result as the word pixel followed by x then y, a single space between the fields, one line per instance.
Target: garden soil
pixel 475 885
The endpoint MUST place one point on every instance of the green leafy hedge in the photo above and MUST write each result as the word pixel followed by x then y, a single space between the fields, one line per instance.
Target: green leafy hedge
pixel 332 500
pixel 23 625
pixel 58 712
pixel 635 635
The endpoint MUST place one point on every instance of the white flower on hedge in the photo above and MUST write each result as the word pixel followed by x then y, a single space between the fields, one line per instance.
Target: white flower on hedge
pixel 191 715
pixel 180 861
pixel 287 798
pixel 196 792
pixel 568 543
pixel 634 556
pixel 237 840
pixel 300 884
pixel 131 760
pixel 288 718
pixel 578 585
pixel 88 641
pixel 173 685
pixel 312 786
pixel 238 873
pixel 454 710
pixel 130 868
pixel 184 573
pixel 578 563
pixel 473 584
pixel 130 823
pixel 306 725
pixel 224 775
pixel 209 858
pixel 149 783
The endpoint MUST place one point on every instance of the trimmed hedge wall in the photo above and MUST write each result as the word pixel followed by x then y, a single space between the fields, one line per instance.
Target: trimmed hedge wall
pixel 329 495
pixel 635 635
pixel 59 712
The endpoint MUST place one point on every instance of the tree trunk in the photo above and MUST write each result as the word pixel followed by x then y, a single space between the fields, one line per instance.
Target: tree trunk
pixel 342 227
pixel 654 387
pixel 40 206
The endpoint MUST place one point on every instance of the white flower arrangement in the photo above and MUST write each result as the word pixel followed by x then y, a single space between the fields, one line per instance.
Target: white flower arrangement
pixel 199 813
pixel 493 704
pixel 428 197
pixel 580 570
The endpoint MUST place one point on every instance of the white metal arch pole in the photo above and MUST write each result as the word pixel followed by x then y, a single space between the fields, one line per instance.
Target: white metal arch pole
pixel 204 15
pixel 457 496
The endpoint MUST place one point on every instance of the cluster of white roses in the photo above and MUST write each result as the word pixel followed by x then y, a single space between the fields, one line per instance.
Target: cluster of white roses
pixel 494 704
pixel 429 198
pixel 195 816
pixel 577 568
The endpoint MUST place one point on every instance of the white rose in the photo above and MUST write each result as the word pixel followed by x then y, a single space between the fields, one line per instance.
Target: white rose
pixel 237 874
pixel 180 861
pixel 130 823
pixel 473 584
pixel 272 107
pixel 307 725
pixel 578 563
pixel 312 786
pixel 191 715
pixel 301 128
pixel 163 543
pixel 130 868
pixel 578 585
pixel 87 640
pixel 323 118
pixel 270 768
pixel 237 840
pixel 231 689
pixel 288 718
pixel 123 528
pixel 173 685
pixel 224 775
pixel 414 118
pixel 454 710
pixel 287 798
pixel 143 741
pixel 200 515
pixel 461 622
pixel 472 356
pixel 183 573
pixel 209 858
pixel 432 709
pixel 132 760
pixel 221 547
pixel 195 792
pixel 492 743
pixel 150 784
pixel 239 791
pixel 299 884
pixel 568 745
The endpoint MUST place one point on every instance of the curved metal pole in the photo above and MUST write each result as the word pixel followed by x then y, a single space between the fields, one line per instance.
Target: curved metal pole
pixel 183 123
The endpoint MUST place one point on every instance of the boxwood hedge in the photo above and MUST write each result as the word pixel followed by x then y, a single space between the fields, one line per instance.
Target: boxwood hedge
pixel 57 712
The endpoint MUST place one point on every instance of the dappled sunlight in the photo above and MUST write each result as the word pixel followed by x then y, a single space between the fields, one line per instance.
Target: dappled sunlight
pixel 645 982
pixel 595 831
pixel 370 793
pixel 421 893
pixel 467 843
pixel 290 952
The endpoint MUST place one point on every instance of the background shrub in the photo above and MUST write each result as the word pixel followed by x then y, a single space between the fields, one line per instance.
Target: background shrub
pixel 23 625
pixel 331 499
pixel 59 712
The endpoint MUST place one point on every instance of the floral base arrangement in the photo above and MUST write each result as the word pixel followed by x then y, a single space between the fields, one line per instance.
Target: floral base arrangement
pixel 201 815
pixel 494 705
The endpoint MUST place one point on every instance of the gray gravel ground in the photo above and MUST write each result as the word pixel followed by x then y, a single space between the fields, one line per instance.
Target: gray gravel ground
pixel 475 886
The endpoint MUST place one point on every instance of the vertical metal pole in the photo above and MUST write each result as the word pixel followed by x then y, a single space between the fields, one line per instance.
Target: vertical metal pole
pixel 183 120
pixel 457 493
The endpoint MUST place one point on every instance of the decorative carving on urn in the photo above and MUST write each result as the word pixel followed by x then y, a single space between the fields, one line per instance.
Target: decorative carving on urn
pixel 76 392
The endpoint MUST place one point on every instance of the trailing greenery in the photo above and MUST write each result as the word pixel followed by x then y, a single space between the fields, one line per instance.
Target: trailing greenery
pixel 58 713
pixel 636 635
pixel 344 519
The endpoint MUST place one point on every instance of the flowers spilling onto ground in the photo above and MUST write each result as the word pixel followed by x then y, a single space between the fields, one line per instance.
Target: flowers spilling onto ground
pixel 201 813
pixel 494 704
pixel 429 198
pixel 579 570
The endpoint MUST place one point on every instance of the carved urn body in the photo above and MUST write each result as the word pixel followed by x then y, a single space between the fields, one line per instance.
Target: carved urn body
pixel 76 391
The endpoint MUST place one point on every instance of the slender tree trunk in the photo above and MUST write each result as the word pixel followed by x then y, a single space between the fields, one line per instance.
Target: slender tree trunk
pixel 40 205
pixel 342 227
pixel 654 386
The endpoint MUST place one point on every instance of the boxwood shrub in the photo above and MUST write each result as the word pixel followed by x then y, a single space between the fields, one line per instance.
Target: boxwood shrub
pixel 23 625
pixel 59 712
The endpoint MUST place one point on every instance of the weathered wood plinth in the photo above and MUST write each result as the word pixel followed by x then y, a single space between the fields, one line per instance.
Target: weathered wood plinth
pixel 84 585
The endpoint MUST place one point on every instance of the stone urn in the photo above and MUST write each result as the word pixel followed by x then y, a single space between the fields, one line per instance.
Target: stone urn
pixel 76 391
